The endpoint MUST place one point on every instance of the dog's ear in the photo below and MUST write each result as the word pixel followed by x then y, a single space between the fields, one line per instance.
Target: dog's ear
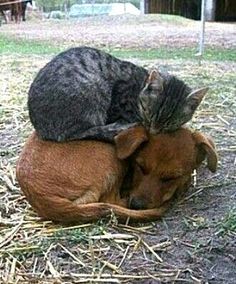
pixel 129 140
pixel 206 148
pixel 194 99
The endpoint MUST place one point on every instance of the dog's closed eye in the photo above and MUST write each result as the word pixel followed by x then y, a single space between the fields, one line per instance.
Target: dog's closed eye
pixel 141 166
pixel 169 179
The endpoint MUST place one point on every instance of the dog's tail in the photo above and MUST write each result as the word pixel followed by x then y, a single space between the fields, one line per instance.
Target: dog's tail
pixel 67 211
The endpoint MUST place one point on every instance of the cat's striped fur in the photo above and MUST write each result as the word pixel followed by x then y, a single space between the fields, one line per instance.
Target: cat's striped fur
pixel 87 93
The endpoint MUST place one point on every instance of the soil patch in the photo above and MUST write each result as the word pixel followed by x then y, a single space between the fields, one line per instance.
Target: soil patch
pixel 195 241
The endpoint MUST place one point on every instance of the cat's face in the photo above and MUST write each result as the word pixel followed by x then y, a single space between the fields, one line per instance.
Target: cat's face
pixel 150 98
pixel 183 113
pixel 166 103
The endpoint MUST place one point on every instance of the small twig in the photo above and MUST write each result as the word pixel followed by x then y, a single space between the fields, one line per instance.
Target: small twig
pixel 152 251
pixel 112 236
pixel 124 256
pixel 72 255
pixel 52 270
pixel 10 235
pixel 162 245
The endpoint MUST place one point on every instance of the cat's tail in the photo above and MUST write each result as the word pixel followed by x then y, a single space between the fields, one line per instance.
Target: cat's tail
pixel 66 211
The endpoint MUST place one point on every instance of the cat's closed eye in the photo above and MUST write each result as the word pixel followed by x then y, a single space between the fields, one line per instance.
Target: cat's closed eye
pixel 150 87
pixel 155 87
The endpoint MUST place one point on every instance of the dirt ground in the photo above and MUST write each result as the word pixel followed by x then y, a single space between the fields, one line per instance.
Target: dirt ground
pixel 148 31
pixel 195 242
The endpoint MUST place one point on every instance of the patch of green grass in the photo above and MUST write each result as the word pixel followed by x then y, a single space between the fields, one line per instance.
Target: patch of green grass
pixel 24 252
pixel 212 54
pixel 76 235
pixel 66 237
pixel 228 224
pixel 72 236
pixel 22 46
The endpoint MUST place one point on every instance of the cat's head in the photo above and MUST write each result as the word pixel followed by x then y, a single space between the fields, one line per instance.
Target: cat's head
pixel 150 98
pixel 166 102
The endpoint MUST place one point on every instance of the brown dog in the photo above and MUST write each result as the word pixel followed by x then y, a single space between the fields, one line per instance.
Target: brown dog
pixel 164 164
pixel 80 181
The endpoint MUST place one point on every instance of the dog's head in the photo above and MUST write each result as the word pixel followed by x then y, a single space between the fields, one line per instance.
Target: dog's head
pixel 162 163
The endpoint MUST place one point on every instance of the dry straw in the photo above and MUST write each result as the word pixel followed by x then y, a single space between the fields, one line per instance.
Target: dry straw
pixel 33 251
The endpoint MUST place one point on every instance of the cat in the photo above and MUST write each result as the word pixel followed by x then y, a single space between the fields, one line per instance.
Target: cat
pixel 170 108
pixel 85 93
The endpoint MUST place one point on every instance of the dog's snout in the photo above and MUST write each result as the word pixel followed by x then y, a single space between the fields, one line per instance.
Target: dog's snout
pixel 137 204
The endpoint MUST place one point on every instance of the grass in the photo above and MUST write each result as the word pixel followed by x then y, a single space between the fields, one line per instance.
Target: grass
pixel 228 223
pixel 211 54
pixel 22 46
pixel 39 252
pixel 78 235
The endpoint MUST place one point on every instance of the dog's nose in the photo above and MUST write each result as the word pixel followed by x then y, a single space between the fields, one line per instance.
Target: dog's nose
pixel 137 204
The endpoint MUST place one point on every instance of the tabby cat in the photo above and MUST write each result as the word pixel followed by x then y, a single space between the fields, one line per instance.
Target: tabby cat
pixel 85 93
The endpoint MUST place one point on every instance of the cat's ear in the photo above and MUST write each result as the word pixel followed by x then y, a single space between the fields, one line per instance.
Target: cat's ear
pixel 154 76
pixel 194 99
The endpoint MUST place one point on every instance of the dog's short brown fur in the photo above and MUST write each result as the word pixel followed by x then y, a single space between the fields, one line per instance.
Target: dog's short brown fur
pixel 164 164
pixel 80 181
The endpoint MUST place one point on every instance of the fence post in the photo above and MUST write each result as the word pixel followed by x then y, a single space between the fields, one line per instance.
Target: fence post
pixel 202 31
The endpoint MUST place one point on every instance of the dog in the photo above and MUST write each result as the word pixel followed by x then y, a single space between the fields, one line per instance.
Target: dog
pixel 82 181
